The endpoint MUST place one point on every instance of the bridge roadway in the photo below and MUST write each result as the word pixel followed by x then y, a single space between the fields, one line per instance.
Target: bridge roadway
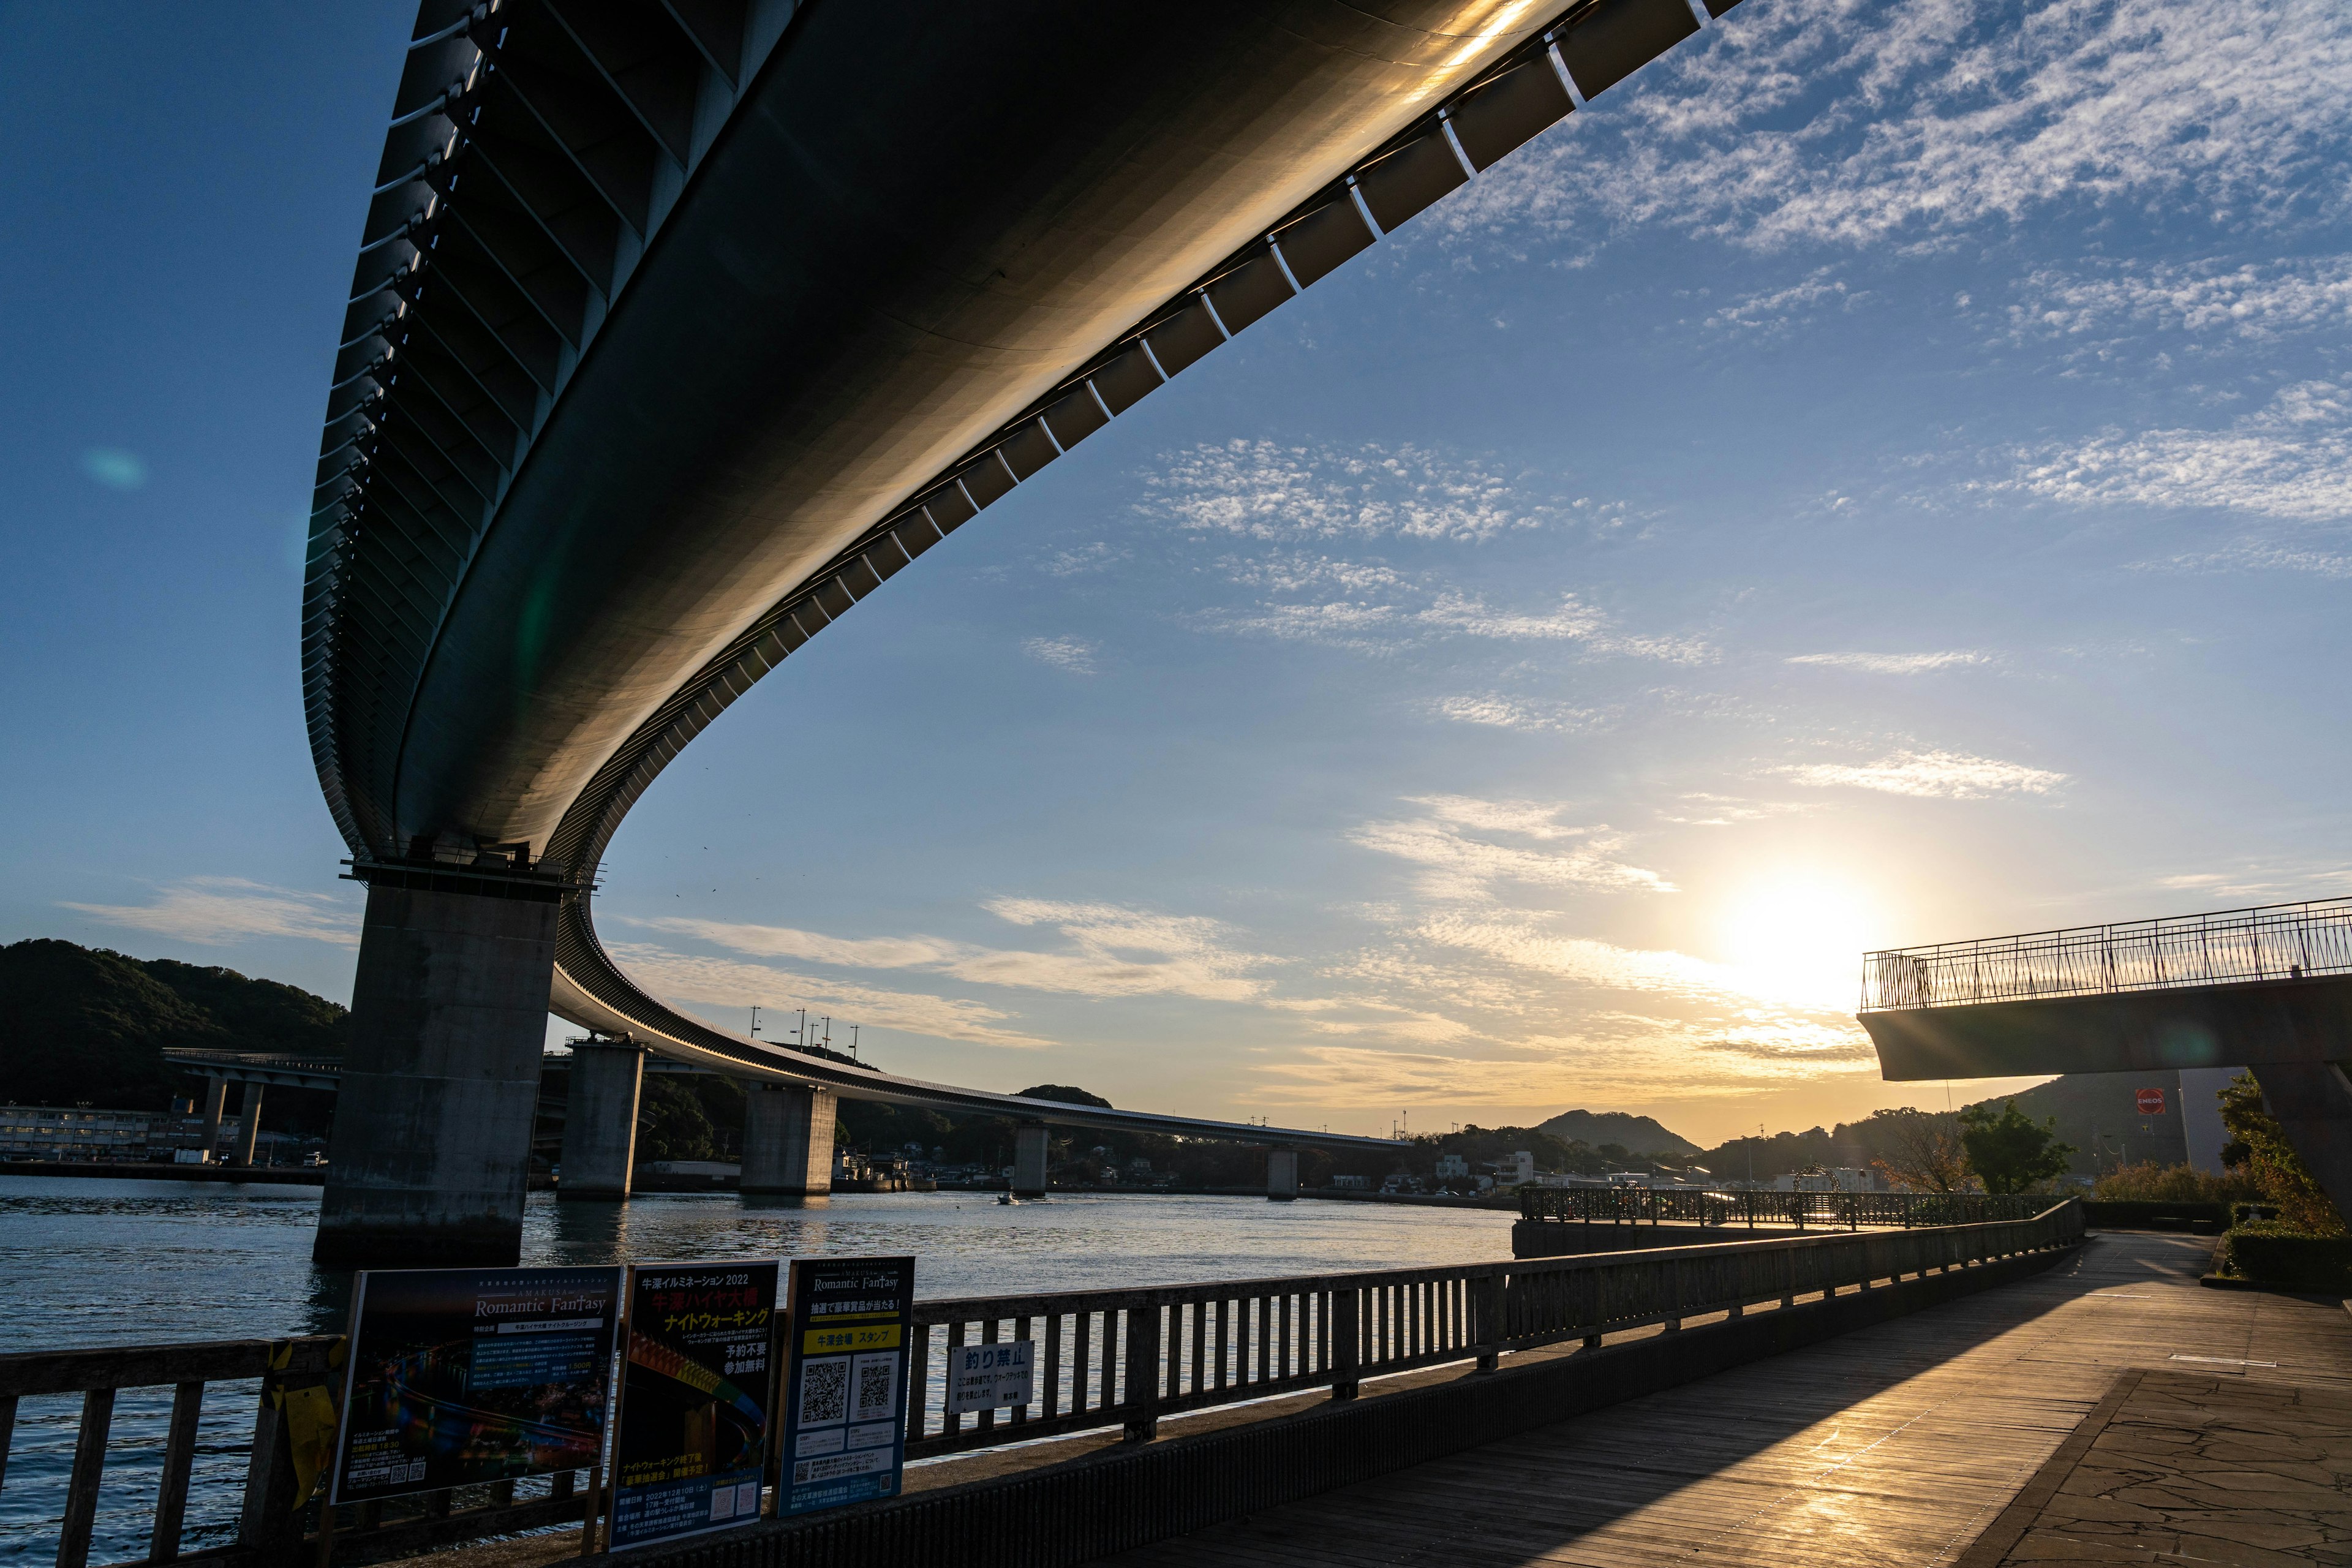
pixel 2268 989
pixel 1892 1447
pixel 678 328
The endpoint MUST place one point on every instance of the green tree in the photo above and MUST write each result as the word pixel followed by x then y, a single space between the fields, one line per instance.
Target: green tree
pixel 2260 1144
pixel 2009 1151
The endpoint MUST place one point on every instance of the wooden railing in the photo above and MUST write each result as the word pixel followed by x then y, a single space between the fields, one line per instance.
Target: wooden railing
pixel 1103 1359
pixel 264 1520
pixel 1645 1205
pixel 1126 1358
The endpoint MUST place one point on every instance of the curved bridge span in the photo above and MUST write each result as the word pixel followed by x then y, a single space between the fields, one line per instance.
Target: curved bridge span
pixel 680 326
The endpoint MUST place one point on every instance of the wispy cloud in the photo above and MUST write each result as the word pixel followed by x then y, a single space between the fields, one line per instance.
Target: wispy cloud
pixel 1857 125
pixel 2256 555
pixel 1113 951
pixel 1770 311
pixel 1071 654
pixel 214 910
pixel 2261 301
pixel 1266 490
pixel 1945 776
pixel 1529 715
pixel 2290 459
pixel 1462 845
pixel 1894 663
pixel 1414 616
pixel 685 978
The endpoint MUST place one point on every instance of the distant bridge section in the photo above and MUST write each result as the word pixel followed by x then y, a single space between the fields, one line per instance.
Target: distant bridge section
pixel 2268 988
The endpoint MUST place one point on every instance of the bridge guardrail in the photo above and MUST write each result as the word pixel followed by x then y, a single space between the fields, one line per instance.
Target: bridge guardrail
pixel 1646 1205
pixel 1107 1359
pixel 2269 942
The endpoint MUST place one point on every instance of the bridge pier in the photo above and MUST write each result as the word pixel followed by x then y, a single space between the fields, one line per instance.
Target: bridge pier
pixel 1029 1148
pixel 600 1120
pixel 431 1153
pixel 787 1141
pixel 1281 1174
pixel 2313 1102
pixel 216 1102
pixel 249 1124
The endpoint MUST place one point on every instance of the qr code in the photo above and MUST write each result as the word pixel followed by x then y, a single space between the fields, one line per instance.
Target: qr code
pixel 876 1374
pixel 824 1391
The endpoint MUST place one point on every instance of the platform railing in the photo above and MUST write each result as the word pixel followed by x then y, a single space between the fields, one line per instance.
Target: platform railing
pixel 1671 1206
pixel 2271 942
pixel 1128 1358
pixel 1119 1359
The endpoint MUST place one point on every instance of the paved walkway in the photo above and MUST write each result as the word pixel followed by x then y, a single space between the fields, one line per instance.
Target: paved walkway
pixel 1898 1445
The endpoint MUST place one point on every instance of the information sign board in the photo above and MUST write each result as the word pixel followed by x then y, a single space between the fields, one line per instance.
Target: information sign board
pixel 459 1375
pixel 990 1377
pixel 845 1378
pixel 694 1404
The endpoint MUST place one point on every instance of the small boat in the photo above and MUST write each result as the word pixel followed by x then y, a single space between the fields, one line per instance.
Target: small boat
pixel 1006 1198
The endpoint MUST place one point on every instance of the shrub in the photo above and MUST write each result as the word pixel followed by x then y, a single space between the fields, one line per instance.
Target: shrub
pixel 2285 1179
pixel 2269 1252
pixel 2148 1182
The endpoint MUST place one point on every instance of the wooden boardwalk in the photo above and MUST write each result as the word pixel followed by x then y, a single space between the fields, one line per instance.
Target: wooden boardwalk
pixel 1895 1445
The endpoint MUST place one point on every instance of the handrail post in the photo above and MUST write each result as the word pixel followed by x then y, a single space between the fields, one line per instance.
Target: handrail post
pixel 1142 1379
pixel 271 1529
pixel 89 1465
pixel 1347 1341
pixel 1486 1326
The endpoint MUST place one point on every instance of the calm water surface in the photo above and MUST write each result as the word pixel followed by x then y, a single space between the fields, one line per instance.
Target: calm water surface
pixel 98 1262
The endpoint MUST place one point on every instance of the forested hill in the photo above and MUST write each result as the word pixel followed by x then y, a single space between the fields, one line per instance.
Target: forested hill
pixel 1639 1134
pixel 83 1025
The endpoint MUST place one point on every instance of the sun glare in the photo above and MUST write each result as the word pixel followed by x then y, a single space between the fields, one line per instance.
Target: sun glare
pixel 1799 938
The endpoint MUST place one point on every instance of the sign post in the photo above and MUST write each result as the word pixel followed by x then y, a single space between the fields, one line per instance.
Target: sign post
pixel 845 1377
pixel 694 1416
pixel 459 1375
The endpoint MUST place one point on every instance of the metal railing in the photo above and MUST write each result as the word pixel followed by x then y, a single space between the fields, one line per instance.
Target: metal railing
pixel 1653 1206
pixel 2272 942
pixel 1126 1358
pixel 1104 1359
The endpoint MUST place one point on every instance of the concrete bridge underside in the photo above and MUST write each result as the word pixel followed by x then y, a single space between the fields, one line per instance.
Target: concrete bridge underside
pixel 677 331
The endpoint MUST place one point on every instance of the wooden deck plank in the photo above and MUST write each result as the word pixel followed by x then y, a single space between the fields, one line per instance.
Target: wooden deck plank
pixel 1895 1445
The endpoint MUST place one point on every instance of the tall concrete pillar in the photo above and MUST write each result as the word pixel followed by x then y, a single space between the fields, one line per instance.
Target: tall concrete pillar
pixel 216 1102
pixel 1282 1175
pixel 431 1154
pixel 787 1141
pixel 249 1124
pixel 2200 1115
pixel 599 1120
pixel 2313 1102
pixel 1029 1162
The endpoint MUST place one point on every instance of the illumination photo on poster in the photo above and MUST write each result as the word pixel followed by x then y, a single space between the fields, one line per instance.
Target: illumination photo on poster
pixel 694 1421
pixel 459 1375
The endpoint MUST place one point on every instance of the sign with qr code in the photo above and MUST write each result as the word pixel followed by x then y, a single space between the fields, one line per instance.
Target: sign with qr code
pixel 991 1376
pixel 845 1435
pixel 697 1383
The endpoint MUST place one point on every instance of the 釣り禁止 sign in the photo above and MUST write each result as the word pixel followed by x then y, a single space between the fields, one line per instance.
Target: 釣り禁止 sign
pixel 844 1381
pixel 691 1436
pixel 459 1375
pixel 990 1377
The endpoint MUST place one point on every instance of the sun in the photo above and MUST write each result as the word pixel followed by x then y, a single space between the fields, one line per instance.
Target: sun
pixel 1799 937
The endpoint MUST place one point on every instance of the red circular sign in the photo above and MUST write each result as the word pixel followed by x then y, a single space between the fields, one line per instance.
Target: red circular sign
pixel 2151 1102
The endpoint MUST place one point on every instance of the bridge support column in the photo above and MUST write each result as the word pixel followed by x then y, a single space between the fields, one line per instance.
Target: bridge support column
pixel 249 1124
pixel 1281 1174
pixel 600 1120
pixel 216 1102
pixel 2200 1115
pixel 788 1140
pixel 431 1154
pixel 2313 1102
pixel 1029 1162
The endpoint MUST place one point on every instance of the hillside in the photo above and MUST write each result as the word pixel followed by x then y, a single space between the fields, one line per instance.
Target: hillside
pixel 1638 1134
pixel 83 1025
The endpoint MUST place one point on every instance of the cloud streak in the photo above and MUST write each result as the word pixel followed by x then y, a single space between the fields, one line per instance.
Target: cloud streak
pixel 215 911
pixel 1935 775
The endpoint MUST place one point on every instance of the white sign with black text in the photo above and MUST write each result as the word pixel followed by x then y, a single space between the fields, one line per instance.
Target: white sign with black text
pixel 990 1377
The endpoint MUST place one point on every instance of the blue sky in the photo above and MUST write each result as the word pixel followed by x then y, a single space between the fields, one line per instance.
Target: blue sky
pixel 1881 475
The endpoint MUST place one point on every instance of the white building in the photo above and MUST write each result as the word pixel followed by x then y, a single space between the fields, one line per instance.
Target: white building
pixel 1519 1168
pixel 1451 1167
pixel 50 1132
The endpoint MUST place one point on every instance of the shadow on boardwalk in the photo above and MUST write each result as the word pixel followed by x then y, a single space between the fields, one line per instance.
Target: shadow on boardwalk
pixel 1895 1444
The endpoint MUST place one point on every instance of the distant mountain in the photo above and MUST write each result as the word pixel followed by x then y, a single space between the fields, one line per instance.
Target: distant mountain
pixel 1638 1134
pixel 83 1025
pixel 1065 1094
